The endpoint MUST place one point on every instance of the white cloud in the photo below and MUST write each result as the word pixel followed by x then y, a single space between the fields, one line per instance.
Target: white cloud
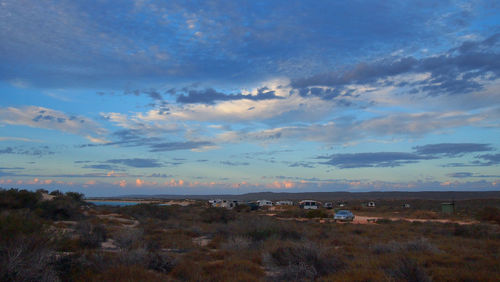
pixel 409 125
pixel 40 117
pixel 22 139
pixel 151 122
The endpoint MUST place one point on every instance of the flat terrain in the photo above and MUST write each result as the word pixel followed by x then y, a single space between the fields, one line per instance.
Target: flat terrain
pixel 64 238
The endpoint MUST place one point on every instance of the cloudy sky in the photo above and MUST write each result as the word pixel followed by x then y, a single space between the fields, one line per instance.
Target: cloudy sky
pixel 194 97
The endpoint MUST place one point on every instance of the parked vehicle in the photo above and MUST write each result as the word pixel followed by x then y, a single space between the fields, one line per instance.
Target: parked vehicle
pixel 309 205
pixel 328 205
pixel 343 215
pixel 284 203
pixel 264 203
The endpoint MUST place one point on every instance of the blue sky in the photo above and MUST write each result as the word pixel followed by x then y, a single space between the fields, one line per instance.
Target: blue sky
pixel 196 97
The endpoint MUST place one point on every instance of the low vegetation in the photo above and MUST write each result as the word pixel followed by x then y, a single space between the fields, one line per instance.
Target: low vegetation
pixel 60 237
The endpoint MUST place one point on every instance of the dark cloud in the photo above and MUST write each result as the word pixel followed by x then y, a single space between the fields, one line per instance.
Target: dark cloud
pixel 209 96
pixel 425 152
pixel 456 165
pixel 359 74
pixel 454 72
pixel 380 159
pixel 90 175
pixel 127 138
pixel 151 93
pixel 7 150
pixel 174 146
pixel 160 104
pixel 101 166
pixel 229 163
pixel 481 160
pixel 139 163
pixel 32 151
pixel 327 93
pixel 3 173
pixel 231 42
pixel 489 159
pixel 452 149
pixel 470 174
pixel 161 175
pixel 461 174
pixel 302 164
pixel 133 138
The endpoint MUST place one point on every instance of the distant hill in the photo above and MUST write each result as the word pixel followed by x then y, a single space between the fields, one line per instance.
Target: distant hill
pixel 332 196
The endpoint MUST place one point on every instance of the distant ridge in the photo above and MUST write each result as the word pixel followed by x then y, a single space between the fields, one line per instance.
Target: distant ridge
pixel 425 195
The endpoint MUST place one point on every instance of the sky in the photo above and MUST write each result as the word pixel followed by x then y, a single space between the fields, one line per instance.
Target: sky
pixel 212 97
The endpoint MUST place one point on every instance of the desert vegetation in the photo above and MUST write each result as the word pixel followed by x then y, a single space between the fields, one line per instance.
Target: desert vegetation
pixel 60 237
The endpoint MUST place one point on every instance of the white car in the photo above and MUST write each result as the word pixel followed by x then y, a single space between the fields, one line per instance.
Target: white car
pixel 343 215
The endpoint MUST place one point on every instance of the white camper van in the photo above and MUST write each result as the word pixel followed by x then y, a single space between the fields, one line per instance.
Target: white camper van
pixel 309 204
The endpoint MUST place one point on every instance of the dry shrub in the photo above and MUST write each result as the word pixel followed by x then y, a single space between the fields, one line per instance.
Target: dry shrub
pixel 383 221
pixel 425 214
pixel 169 239
pixel 305 260
pixel 90 235
pixel 358 274
pixel 294 212
pixel 126 273
pixel 237 243
pixel 128 238
pixel 161 262
pixel 482 231
pixel 68 244
pixel 157 261
pixel 211 215
pixel 454 273
pixel 490 214
pixel 147 211
pixel 219 270
pixel 316 214
pixel 263 228
pixel 407 269
pixel 138 256
pixel 417 245
pixel 27 258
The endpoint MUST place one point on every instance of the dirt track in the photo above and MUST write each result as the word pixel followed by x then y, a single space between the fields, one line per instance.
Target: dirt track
pixel 371 219
pixel 359 219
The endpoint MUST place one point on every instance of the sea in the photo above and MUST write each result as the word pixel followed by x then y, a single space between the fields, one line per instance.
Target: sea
pixel 113 203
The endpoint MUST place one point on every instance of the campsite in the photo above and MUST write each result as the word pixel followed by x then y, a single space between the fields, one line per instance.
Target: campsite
pixel 66 238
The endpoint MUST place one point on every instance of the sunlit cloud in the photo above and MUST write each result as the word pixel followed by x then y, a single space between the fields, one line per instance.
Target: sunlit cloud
pixel 40 117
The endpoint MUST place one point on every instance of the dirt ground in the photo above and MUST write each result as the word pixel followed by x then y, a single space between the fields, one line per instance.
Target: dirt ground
pixel 359 219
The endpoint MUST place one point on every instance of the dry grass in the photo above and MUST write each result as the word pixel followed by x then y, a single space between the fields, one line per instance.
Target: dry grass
pixel 244 245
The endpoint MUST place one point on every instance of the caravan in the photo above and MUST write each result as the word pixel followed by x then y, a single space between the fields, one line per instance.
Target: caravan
pixel 309 204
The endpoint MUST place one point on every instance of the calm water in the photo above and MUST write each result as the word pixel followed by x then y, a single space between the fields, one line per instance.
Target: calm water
pixel 113 203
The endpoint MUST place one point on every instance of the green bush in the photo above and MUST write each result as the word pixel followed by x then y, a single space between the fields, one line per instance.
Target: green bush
pixel 60 208
pixel 18 199
pixel 16 223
